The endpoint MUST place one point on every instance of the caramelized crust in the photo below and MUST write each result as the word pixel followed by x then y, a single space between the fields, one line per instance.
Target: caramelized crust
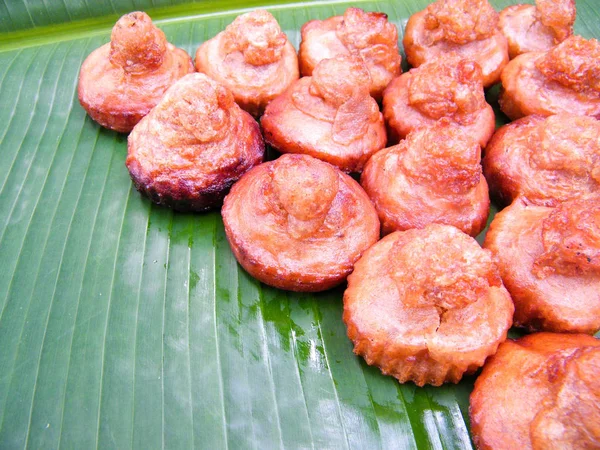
pixel 549 260
pixel 298 223
pixel 426 305
pixel 462 29
pixel 530 28
pixel 367 35
pixel 193 146
pixel 252 58
pixel 330 116
pixel 434 176
pixel 120 82
pixel 539 392
pixel 563 79
pixel 544 160
pixel 443 88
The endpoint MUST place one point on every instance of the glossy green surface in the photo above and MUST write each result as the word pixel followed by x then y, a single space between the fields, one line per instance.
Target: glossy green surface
pixel 123 324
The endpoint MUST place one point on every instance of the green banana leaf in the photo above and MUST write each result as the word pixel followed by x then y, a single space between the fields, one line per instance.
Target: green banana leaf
pixel 126 325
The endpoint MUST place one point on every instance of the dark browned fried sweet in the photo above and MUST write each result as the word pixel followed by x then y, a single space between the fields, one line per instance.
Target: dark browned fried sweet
pixel 466 28
pixel 330 116
pixel 433 176
pixel 549 259
pixel 443 88
pixel 367 35
pixel 537 393
pixel 545 160
pixel 252 58
pixel 120 82
pixel 298 223
pixel 539 27
pixel 193 146
pixel 426 305
pixel 563 79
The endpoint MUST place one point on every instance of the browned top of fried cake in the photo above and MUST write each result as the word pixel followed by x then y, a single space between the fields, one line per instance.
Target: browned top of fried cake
pixel 558 15
pixel 434 175
pixel 548 259
pixel 195 137
pixel 460 21
pixel 121 81
pixel 299 223
pixel 539 392
pixel 537 27
pixel 463 28
pixel 443 88
pixel 367 35
pixel 330 115
pixel 575 64
pixel 426 305
pixel 563 79
pixel 571 239
pixel 447 88
pixel 253 58
pixel 544 160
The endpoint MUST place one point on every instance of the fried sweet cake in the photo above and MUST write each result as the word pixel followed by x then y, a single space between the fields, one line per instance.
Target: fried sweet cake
pixel 367 35
pixel 298 223
pixel 465 28
pixel 120 82
pixel 426 305
pixel 329 115
pixel 549 259
pixel 253 58
pixel 189 150
pixel 544 160
pixel 539 392
pixel 433 176
pixel 444 88
pixel 565 79
pixel 539 27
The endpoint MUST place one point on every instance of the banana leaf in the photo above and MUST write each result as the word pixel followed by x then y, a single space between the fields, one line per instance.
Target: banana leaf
pixel 127 325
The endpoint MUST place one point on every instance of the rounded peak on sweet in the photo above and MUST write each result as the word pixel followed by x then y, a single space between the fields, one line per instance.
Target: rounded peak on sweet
pixel 136 44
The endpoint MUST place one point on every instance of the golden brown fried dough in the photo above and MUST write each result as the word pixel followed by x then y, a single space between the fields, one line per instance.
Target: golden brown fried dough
pixel 252 58
pixel 426 305
pixel 434 176
pixel 298 223
pixel 537 393
pixel 365 34
pixel 549 260
pixel 330 116
pixel 565 79
pixel 443 88
pixel 539 27
pixel 193 146
pixel 120 82
pixel 544 160
pixel 466 28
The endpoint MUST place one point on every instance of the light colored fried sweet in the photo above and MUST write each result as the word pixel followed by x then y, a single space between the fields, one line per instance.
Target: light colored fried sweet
pixel 189 150
pixel 539 27
pixel 426 305
pixel 433 176
pixel 565 79
pixel 298 223
pixel 444 88
pixel 253 58
pixel 466 28
pixel 544 160
pixel 367 35
pixel 549 259
pixel 330 116
pixel 120 82
pixel 537 393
